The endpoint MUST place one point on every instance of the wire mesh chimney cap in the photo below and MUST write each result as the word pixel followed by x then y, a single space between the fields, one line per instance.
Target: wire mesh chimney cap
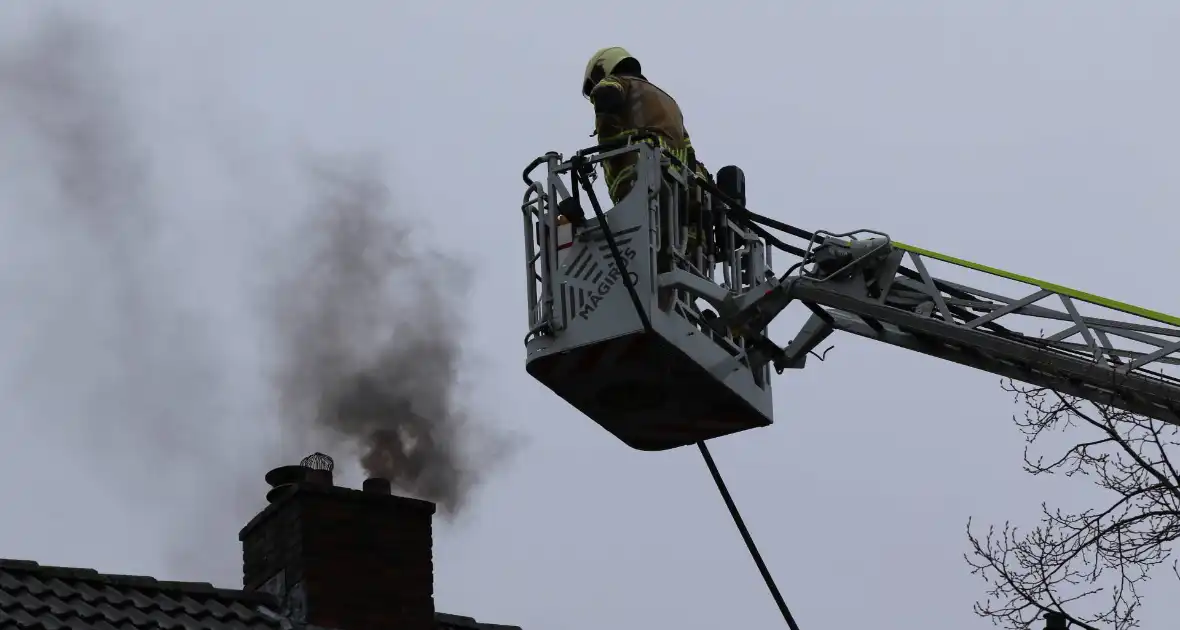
pixel 318 461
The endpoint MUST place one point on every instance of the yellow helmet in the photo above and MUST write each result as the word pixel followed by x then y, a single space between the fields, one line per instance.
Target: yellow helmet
pixel 604 63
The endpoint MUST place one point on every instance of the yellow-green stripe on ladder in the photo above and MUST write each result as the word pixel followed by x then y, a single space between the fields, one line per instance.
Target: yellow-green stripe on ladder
pixel 1048 286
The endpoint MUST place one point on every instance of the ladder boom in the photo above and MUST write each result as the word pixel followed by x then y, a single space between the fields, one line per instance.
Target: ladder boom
pixel 955 322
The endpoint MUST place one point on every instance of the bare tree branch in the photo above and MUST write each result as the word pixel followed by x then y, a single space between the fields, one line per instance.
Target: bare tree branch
pixel 1086 565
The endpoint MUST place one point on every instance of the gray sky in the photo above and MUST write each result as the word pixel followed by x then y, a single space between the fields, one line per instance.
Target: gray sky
pixel 1037 137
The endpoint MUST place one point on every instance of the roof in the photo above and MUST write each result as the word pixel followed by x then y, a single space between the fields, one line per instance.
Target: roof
pixel 36 597
pixel 455 622
pixel 53 598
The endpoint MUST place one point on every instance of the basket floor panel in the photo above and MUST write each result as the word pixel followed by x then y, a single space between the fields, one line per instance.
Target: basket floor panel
pixel 646 392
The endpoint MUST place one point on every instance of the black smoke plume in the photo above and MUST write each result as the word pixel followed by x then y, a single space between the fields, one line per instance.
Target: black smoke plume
pixel 110 343
pixel 372 333
pixel 126 304
pixel 104 349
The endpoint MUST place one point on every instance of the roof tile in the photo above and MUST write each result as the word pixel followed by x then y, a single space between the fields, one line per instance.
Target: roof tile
pixel 61 598
pixel 36 597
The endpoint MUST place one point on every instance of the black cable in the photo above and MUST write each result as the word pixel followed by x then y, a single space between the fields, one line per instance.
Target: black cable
pixel 576 176
pixel 792 269
pixel 750 218
pixel 741 525
pixel 528 181
pixel 756 221
pixel 743 215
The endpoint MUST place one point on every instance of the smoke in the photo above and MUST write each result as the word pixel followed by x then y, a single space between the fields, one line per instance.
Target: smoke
pixel 135 333
pixel 369 317
pixel 109 342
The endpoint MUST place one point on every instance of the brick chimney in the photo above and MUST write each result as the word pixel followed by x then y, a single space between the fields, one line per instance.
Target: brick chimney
pixel 341 558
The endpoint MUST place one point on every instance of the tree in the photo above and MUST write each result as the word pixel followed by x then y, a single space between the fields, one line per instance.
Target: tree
pixel 1087 565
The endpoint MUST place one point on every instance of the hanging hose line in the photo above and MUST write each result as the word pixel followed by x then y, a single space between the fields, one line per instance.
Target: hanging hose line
pixel 580 180
pixel 741 525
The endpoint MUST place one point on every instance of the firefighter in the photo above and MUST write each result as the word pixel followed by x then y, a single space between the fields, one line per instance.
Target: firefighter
pixel 627 103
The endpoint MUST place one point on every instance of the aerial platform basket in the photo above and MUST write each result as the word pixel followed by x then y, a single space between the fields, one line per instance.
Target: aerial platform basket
pixel 641 360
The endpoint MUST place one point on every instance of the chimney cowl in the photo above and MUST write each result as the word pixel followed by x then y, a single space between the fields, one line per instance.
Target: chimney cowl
pixel 277 493
pixel 286 475
pixel 377 485
pixel 284 479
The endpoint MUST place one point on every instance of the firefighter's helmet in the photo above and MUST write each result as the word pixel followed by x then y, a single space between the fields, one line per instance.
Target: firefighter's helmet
pixel 603 63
